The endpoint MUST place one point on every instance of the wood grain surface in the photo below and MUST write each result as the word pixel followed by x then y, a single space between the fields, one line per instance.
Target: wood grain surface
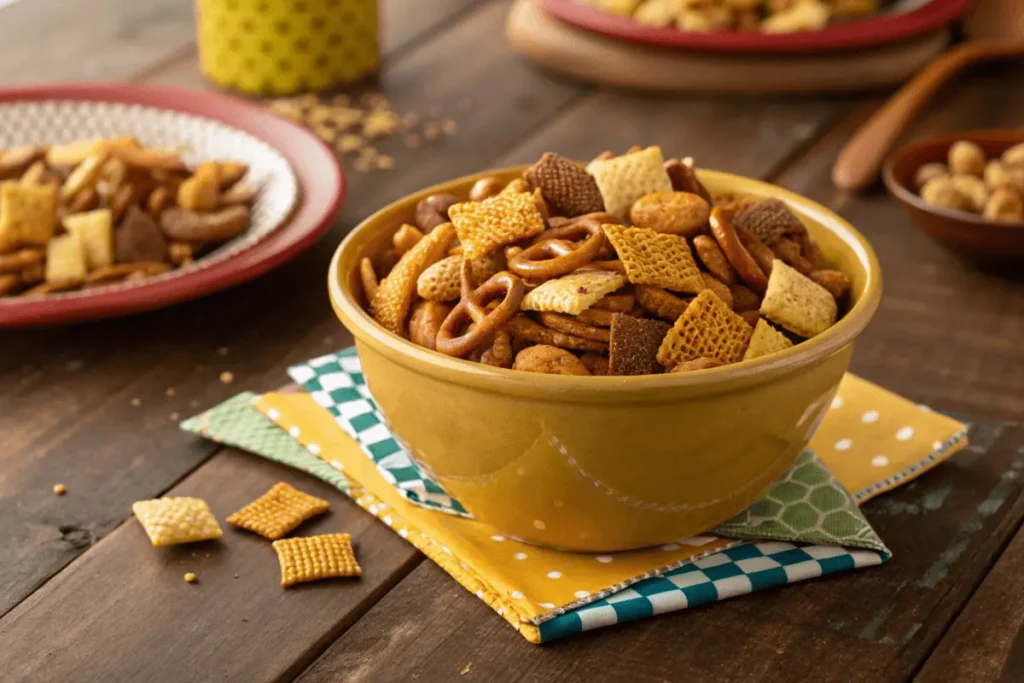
pixel 947 334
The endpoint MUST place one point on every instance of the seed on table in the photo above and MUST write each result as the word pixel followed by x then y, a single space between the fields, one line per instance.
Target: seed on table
pixel 136 402
pixel 59 489
pixel 431 131
pixel 190 577
pixel 385 162
pixel 227 377
pixel 448 127
pixel 174 417
pixel 170 391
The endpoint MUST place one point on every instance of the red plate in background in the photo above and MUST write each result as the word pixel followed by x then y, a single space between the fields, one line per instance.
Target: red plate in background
pixel 869 32
pixel 321 187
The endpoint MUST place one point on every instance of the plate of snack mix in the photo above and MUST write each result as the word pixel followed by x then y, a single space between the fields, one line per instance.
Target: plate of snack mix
pixel 118 199
pixel 625 266
pixel 759 25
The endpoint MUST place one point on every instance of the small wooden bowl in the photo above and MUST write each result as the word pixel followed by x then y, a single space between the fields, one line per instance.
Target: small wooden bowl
pixel 967 233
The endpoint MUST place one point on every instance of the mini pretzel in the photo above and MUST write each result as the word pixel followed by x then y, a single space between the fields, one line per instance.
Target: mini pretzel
pixel 570 325
pixel 368 278
pixel 660 303
pixel 713 259
pixel 757 249
pixel 451 343
pixel 557 254
pixel 684 179
pixel 20 259
pixel 500 354
pixel 739 258
pixel 425 321
pixel 521 326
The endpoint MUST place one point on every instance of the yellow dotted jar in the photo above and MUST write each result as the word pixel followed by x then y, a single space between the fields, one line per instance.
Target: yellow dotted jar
pixel 281 47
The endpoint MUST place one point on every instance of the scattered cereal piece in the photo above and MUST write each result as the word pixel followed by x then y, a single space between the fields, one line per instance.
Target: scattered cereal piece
pixel 765 340
pixel 448 127
pixel 484 226
pixel 654 258
pixel 170 521
pixel 634 344
pixel 565 185
pixel 572 293
pixel 311 558
pixel 59 489
pixel 136 402
pixel 384 162
pixel 797 303
pixel 190 577
pixel 390 305
pixel 431 131
pixel 94 230
pixel 706 329
pixel 278 511
pixel 65 259
pixel 624 179
pixel 349 143
pixel 227 377
pixel 174 417
pixel 465 669
pixel 170 391
pixel 28 214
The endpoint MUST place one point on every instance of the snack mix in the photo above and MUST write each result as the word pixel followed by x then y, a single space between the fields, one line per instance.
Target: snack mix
pixel 993 188
pixel 625 267
pixel 94 212
pixel 767 16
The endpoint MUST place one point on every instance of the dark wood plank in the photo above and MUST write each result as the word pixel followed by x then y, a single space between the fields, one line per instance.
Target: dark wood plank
pixel 123 612
pixel 68 415
pixel 90 40
pixel 986 642
pixel 868 626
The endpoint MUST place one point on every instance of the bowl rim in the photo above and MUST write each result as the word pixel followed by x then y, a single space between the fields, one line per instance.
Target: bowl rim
pixel 640 388
pixel 908 196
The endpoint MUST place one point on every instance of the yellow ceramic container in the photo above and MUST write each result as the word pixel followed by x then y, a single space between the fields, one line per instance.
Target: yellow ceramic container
pixel 605 463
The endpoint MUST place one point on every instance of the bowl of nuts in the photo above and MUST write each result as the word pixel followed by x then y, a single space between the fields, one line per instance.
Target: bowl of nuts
pixel 604 357
pixel 965 190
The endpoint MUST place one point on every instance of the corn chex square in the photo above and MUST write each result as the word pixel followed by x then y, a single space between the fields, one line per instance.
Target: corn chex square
pixel 655 258
pixel 311 558
pixel 390 305
pixel 574 292
pixel 497 221
pixel 706 329
pixel 278 511
pixel 624 179
pixel 765 341
pixel 798 303
pixel 170 521
pixel 28 214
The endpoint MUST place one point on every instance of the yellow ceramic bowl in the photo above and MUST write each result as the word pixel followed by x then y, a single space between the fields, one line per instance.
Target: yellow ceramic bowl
pixel 605 463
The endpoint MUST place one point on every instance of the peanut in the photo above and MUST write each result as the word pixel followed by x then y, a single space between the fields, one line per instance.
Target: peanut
pixel 966 157
pixel 1004 205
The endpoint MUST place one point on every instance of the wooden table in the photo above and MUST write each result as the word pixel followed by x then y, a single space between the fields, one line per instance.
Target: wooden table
pixel 84 598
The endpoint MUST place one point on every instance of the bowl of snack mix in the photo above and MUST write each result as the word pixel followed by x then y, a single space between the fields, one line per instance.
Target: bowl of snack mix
pixel 604 357
pixel 759 25
pixel 965 190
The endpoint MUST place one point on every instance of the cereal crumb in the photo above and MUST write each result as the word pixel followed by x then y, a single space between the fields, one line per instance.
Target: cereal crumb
pixel 236 576
pixel 190 577
pixel 349 143
pixel 448 126
pixel 174 417
pixel 59 489
pixel 136 402
pixel 222 351
pixel 385 162
pixel 170 391
pixel 465 669
pixel 431 131
pixel 227 377
pixel 465 104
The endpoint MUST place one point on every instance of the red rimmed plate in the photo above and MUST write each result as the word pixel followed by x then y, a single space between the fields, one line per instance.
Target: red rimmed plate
pixel 300 182
pixel 887 28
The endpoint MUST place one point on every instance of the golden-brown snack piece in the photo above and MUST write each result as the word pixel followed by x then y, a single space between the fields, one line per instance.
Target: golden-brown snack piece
pixel 485 188
pixel 934 170
pixel 95 231
pixel 633 345
pixel 183 225
pixel 707 328
pixel 405 238
pixel 472 323
pixel 500 354
pixel 278 511
pixel 65 259
pixel 571 325
pixel 549 360
pixel 797 303
pixel 684 178
pixel 768 220
pixel 394 295
pixel 574 292
pixel 744 299
pixel 791 253
pixel 673 213
pixel 739 258
pixel 173 520
pixel 368 278
pixel 654 258
pixel 624 179
pixel 660 303
pixel 17 261
pixel 28 214
pixel 312 558
pixel 425 321
pixel 718 288
pixel 966 157
pixel 522 327
pixel 765 340
pixel 1004 205
pixel 835 281
pixel 713 259
pixel 485 226
pixel 596 363
pixel 596 316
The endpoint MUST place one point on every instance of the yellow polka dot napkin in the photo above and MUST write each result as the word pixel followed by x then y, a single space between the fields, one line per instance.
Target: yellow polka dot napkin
pixel 871 439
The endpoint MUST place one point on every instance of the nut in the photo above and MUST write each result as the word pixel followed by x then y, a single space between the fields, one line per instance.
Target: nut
pixel 973 188
pixel 966 157
pixel 549 360
pixel 674 213
pixel 1014 156
pixel 485 188
pixel 1004 205
pixel 425 321
pixel 942 193
pixel 432 211
pixel 929 171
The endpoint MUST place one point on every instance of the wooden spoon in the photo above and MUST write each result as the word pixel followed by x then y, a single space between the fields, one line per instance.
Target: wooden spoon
pixel 861 158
